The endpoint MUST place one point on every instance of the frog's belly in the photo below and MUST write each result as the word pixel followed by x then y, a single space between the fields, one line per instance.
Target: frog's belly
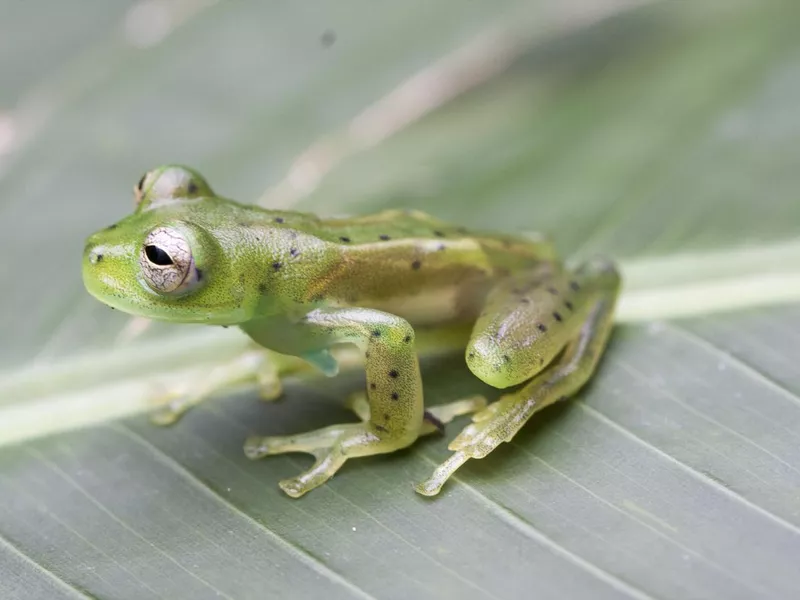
pixel 437 306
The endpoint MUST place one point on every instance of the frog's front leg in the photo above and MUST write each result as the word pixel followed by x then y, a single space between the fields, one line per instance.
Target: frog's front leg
pixel 394 395
pixel 434 418
pixel 550 333
pixel 256 365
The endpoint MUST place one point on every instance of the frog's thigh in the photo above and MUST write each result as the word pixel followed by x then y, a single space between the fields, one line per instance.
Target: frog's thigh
pixel 568 318
pixel 394 395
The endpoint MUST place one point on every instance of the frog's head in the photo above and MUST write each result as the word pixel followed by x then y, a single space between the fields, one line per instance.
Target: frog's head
pixel 165 261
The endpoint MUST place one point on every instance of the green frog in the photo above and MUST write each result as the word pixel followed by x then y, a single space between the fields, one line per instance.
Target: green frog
pixel 302 286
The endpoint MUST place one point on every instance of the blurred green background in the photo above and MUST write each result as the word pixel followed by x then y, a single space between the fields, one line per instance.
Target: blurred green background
pixel 643 130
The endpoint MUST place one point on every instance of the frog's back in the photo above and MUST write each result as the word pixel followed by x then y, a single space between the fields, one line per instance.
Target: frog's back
pixel 419 267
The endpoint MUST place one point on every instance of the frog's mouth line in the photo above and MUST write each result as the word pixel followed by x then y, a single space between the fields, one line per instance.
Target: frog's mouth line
pixel 108 293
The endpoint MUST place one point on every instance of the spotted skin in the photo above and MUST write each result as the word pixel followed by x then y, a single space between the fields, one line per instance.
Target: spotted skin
pixel 394 284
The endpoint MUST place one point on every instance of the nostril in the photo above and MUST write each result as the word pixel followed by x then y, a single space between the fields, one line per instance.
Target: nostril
pixel 95 257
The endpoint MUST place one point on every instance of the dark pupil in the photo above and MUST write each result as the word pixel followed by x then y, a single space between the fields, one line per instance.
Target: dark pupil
pixel 157 256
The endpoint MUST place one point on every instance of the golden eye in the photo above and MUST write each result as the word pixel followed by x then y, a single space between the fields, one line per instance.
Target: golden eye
pixel 167 262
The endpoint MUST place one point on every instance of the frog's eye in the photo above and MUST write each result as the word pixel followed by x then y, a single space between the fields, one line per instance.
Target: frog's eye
pixel 138 191
pixel 170 182
pixel 167 262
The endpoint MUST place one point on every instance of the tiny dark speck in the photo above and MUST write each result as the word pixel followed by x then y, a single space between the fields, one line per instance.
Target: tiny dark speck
pixel 294 252
pixel 557 316
pixel 381 428
pixel 384 237
pixel 568 304
pixel 506 358
pixel 372 386
pixel 279 219
pixel 416 265
pixel 407 339
pixel 541 327
pixel 277 266
pixel 328 38
pixel 98 257
pixel 344 239
pixel 438 233
pixel 376 333
pixel 395 395
pixel 393 374
pixel 574 286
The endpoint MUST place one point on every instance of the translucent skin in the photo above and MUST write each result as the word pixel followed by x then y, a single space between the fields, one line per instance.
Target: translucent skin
pixel 301 286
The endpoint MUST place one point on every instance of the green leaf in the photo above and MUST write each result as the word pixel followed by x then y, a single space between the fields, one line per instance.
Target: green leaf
pixel 663 134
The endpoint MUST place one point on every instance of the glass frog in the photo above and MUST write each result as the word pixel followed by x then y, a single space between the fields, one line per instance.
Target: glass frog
pixel 301 286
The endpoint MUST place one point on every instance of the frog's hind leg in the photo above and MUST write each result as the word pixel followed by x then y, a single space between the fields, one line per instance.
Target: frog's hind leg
pixel 550 333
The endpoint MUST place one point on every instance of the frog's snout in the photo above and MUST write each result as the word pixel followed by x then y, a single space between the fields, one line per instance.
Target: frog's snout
pixel 98 263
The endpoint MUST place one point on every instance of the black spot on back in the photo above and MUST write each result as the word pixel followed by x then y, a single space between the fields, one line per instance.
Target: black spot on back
pixel 541 327
pixel 344 239
pixel 384 237
pixel 416 265
pixel 277 266
pixel 557 317
pixel 279 219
